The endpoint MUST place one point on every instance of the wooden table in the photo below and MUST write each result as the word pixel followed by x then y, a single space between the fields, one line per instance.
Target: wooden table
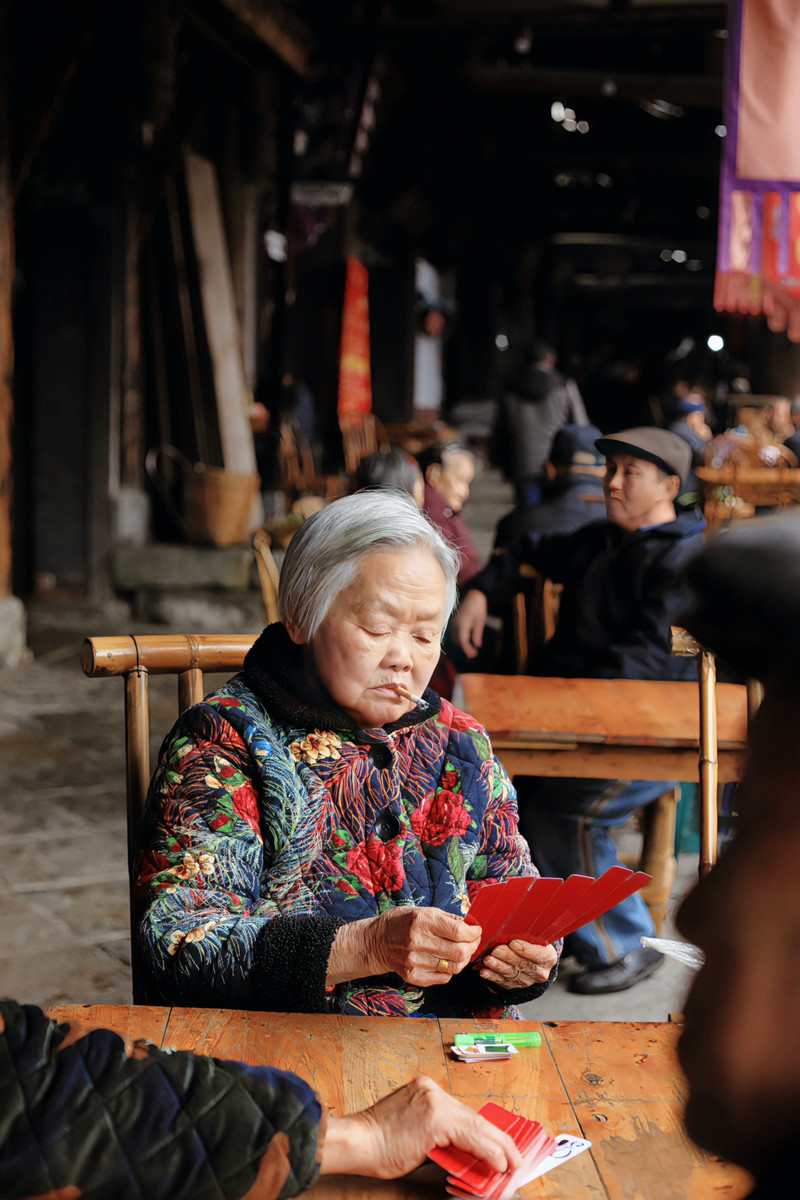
pixel 604 728
pixel 617 1084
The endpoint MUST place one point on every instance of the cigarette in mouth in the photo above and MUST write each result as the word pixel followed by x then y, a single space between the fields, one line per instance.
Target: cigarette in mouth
pixel 407 695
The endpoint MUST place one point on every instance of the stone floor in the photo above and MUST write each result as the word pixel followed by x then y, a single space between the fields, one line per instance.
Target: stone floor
pixel 63 887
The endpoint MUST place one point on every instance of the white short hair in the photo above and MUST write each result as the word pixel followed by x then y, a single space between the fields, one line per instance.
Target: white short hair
pixel 323 556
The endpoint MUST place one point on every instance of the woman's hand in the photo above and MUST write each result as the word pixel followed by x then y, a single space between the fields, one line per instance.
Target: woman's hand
pixel 394 1136
pixel 424 946
pixel 518 965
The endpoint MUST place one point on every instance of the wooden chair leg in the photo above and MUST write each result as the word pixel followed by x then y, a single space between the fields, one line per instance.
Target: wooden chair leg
pixel 658 854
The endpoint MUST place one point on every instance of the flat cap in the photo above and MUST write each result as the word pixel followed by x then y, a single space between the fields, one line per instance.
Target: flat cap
pixel 660 446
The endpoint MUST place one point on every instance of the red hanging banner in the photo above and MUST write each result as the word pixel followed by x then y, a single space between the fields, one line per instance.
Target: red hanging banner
pixel 355 382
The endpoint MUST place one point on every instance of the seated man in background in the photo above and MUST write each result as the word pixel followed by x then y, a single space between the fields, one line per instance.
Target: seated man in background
pixel 573 496
pixel 740 1045
pixel 623 590
pixel 83 1113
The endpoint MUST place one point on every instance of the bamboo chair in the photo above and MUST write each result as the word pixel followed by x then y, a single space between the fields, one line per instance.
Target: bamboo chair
pixel 268 575
pixel 298 473
pixel 135 658
pixel 362 435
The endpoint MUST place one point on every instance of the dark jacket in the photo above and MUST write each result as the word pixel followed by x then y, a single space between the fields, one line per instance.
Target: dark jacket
pixel 80 1108
pixel 571 501
pixel 622 592
pixel 272 820
pixel 536 403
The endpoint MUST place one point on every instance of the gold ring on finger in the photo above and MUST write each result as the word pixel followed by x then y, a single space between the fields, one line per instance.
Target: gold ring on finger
pixel 444 966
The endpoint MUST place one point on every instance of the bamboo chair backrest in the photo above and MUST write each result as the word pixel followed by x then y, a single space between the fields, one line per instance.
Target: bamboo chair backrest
pixel 534 617
pixel 268 574
pixel 135 658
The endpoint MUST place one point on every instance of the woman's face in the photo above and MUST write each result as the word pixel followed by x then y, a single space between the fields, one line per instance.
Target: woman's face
pixel 452 479
pixel 384 628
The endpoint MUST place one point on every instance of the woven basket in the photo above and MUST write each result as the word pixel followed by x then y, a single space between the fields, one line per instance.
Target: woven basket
pixel 218 504
pixel 216 507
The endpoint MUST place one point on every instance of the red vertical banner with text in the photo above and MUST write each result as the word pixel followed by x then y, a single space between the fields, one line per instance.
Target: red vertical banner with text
pixel 355 377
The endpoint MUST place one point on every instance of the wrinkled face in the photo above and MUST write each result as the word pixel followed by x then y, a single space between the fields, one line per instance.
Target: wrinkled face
pixel 384 628
pixel 637 493
pixel 452 479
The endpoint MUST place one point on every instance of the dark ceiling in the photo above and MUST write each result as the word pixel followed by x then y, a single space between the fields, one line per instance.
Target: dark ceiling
pixel 581 137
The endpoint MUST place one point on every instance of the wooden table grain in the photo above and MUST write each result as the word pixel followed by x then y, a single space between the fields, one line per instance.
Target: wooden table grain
pixel 604 728
pixel 618 1084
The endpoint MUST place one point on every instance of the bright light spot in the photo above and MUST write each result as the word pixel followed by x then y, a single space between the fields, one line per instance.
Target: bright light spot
pixel 276 245
pixel 557 111
pixel 608 87
pixel 703 212
pixel 665 255
pixel 570 125
pixel 715 342
pixel 501 341
pixel 569 113
pixel 694 264
pixel 720 130
pixel 679 256
pixel 583 126
pixel 523 41
pixel 300 142
pixel 604 181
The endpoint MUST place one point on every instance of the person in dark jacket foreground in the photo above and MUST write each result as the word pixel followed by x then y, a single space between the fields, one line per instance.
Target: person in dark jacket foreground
pixel 83 1113
pixel 622 592
pixel 740 1045
pixel 316 829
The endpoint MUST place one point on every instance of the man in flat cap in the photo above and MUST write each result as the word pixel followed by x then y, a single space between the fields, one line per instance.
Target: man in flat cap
pixel 622 591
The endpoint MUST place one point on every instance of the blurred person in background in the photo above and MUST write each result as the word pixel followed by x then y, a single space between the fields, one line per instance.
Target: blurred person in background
pixel 573 494
pixel 449 469
pixel 537 401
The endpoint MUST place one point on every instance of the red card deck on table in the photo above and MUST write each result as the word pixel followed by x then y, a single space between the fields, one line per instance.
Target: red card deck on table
pixel 541 911
pixel 468 1176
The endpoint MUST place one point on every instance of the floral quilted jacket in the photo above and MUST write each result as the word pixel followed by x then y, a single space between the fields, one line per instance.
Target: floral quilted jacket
pixel 272 820
pixel 83 1113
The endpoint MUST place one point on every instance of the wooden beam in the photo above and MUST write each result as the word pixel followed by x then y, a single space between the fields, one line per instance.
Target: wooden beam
pixel 270 32
pixel 7 254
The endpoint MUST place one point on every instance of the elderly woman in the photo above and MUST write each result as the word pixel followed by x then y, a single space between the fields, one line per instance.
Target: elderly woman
pixel 315 830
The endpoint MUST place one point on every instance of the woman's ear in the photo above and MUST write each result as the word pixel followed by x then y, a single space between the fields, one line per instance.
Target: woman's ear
pixel 294 633
pixel 432 473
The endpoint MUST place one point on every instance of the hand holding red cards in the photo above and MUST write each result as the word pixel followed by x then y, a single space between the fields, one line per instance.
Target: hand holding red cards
pixel 541 911
pixel 395 1135
pixel 468 1176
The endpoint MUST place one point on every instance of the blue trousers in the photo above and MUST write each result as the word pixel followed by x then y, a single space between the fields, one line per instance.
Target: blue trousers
pixel 567 823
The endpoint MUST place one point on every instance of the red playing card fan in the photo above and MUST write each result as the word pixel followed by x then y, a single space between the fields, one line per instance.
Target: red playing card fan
pixel 541 911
